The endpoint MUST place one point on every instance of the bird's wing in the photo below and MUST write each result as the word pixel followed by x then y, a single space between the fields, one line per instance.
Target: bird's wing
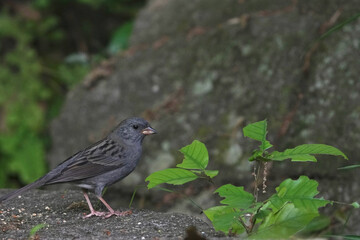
pixel 99 158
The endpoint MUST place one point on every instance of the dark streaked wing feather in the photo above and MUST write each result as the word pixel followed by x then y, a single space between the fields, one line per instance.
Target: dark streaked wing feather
pixel 99 158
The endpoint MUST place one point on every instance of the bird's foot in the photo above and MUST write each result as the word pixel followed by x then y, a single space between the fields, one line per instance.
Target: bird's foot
pixel 95 213
pixel 118 213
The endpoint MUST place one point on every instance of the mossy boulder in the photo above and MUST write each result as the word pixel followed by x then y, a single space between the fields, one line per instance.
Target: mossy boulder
pixel 204 69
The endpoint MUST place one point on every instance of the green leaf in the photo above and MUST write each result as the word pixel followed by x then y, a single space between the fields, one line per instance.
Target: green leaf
pixel 225 219
pixel 256 155
pixel 196 156
pixel 262 214
pixel 283 223
pixel 228 222
pixel 300 192
pixel 35 229
pixel 175 176
pixel 211 173
pixel 235 197
pixel 119 40
pixel 317 224
pixel 349 167
pixel 355 205
pixel 302 152
pixel 258 131
pixel 351 237
pixel 340 25
pixel 211 212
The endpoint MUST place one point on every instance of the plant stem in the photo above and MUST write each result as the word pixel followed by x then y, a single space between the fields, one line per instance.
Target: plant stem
pixel 265 173
pixel 244 225
pixel 260 166
pixel 255 180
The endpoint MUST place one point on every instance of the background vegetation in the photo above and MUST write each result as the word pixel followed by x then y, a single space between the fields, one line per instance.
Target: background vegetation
pixel 46 47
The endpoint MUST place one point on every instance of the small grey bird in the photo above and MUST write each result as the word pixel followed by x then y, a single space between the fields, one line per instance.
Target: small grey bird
pixel 99 165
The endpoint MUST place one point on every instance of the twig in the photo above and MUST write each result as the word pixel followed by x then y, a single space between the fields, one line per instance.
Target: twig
pixel 265 172
pixel 257 177
pixel 247 229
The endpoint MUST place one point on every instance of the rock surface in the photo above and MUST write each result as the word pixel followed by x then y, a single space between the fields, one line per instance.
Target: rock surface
pixel 61 215
pixel 204 69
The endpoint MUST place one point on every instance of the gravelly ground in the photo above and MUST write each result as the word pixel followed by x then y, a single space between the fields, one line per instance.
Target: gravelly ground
pixel 62 213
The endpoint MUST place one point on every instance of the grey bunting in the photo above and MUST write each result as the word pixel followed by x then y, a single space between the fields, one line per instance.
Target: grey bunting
pixel 99 165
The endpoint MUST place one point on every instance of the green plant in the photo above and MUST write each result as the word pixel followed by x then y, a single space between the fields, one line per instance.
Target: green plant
pixel 28 99
pixel 22 92
pixel 350 167
pixel 120 38
pixel 340 26
pixel 194 164
pixel 35 229
pixel 292 208
pixel 40 61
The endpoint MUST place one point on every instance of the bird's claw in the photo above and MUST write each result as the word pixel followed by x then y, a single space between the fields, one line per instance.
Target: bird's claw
pixel 108 214
pixel 118 213
pixel 95 213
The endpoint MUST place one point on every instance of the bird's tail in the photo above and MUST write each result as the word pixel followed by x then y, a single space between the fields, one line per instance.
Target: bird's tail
pixel 38 183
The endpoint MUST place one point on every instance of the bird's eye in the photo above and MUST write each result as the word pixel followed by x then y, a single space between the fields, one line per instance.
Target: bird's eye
pixel 135 126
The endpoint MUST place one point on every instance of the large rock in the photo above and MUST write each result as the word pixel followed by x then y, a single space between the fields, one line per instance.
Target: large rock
pixel 205 68
pixel 58 215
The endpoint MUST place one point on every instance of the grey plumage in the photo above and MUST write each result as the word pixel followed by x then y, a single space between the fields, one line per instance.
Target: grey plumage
pixel 100 164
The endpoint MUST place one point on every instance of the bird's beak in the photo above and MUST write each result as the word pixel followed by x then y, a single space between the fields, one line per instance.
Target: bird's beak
pixel 148 131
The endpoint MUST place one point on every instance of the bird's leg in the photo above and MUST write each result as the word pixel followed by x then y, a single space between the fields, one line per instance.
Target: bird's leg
pixel 111 211
pixel 92 211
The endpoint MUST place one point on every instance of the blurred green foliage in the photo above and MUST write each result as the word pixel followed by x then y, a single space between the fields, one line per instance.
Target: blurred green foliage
pixel 43 54
pixel 119 40
pixel 21 94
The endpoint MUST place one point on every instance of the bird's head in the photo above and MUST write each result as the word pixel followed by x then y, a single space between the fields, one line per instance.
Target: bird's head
pixel 133 130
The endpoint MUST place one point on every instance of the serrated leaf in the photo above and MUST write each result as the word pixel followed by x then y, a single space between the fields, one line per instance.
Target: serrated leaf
pixel 225 219
pixel 211 173
pixel 302 152
pixel 258 131
pixel 228 222
pixel 196 156
pixel 235 197
pixel 283 223
pixel 300 192
pixel 175 176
